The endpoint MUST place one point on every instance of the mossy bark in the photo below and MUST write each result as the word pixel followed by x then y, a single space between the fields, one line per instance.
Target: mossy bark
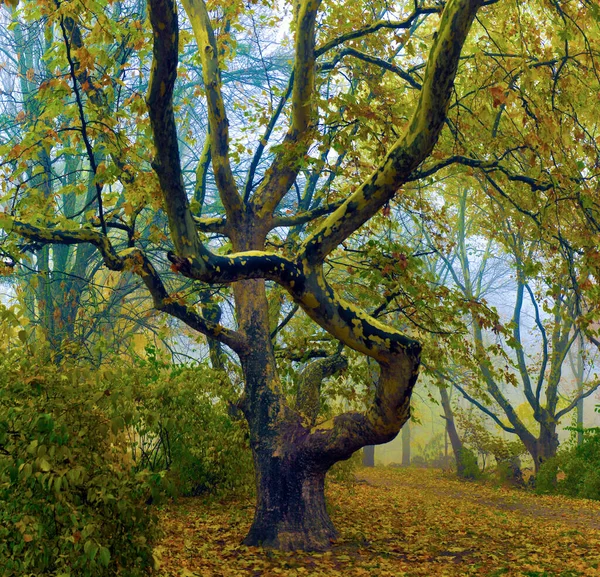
pixel 291 512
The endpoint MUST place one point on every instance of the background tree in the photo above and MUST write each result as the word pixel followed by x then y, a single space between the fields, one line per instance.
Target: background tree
pixel 539 378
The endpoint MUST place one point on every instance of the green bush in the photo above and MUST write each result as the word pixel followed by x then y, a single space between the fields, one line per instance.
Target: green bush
pixel 545 480
pixel 182 423
pixel 470 466
pixel 70 502
pixel 580 468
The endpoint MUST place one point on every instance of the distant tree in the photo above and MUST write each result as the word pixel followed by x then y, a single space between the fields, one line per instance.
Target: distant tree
pixel 406 444
pixel 539 377
pixel 368 456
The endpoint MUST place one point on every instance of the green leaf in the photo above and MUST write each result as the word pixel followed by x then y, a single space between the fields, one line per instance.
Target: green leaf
pixel 90 549
pixel 104 556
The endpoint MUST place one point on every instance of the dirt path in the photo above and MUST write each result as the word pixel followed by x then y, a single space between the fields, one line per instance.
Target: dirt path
pixel 580 513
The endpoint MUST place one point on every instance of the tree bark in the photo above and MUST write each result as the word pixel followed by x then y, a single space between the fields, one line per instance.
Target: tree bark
pixel 291 512
pixel 546 445
pixel 455 441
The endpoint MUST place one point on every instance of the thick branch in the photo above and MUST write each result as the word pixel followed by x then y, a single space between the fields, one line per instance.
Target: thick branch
pixel 212 224
pixel 286 165
pixel 308 396
pixel 201 174
pixel 305 216
pixel 265 139
pixel 416 143
pixel 519 352
pixel 390 67
pixel 375 26
pixel 574 402
pixel 520 429
pixel 217 117
pixel 340 437
pixel 84 132
pixel 485 410
pixel 542 329
pixel 133 259
pixel 349 324
pixel 167 164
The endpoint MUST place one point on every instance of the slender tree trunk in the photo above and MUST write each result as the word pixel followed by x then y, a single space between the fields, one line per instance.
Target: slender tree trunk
pixel 457 446
pixel 406 444
pixel 579 378
pixel 580 422
pixel 368 456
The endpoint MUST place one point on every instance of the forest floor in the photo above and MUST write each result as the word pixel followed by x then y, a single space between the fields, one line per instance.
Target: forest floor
pixel 397 522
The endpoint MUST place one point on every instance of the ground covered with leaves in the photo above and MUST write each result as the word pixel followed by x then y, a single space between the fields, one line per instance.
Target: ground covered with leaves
pixel 397 522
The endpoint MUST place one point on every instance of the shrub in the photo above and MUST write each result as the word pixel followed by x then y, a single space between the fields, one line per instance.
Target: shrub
pixel 70 503
pixel 470 466
pixel 182 423
pixel 580 466
pixel 476 435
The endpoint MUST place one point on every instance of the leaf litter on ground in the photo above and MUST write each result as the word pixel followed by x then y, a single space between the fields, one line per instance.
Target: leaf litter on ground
pixel 395 523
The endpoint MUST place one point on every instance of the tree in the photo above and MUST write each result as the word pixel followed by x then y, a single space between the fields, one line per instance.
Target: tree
pixel 455 440
pixel 291 455
pixel 553 307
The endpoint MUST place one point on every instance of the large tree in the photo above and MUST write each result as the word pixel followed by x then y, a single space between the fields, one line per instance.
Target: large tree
pixel 291 453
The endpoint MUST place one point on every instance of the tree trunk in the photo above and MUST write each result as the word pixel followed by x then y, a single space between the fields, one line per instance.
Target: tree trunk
pixel 457 446
pixel 368 456
pixel 291 512
pixel 580 420
pixel 579 374
pixel 546 445
pixel 406 444
pixel 543 447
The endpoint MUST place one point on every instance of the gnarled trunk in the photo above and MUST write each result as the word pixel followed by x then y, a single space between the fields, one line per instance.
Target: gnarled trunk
pixel 292 451
pixel 290 509
pixel 291 512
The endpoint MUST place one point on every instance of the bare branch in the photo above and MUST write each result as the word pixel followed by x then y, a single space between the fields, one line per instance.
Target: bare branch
pixel 305 216
pixel 379 25
pixel 390 67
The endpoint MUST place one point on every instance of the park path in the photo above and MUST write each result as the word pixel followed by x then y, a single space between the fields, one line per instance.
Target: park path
pixel 579 513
